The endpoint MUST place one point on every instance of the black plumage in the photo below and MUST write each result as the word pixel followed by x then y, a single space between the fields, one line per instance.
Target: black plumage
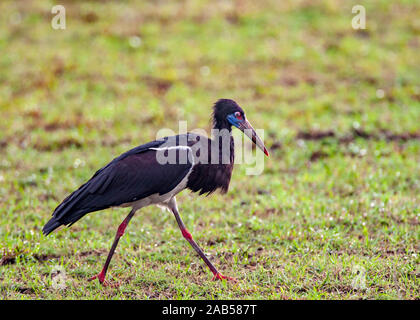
pixel 207 177
pixel 132 176
pixel 138 178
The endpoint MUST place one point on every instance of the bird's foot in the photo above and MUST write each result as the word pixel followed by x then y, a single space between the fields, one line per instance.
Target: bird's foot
pixel 102 281
pixel 219 276
pixel 99 276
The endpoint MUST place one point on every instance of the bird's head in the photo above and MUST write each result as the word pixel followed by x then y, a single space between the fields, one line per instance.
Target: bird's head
pixel 227 113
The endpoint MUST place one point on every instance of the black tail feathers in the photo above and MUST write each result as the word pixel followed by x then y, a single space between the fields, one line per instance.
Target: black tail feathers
pixel 51 226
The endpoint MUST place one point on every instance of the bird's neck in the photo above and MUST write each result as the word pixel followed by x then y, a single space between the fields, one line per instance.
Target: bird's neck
pixel 222 131
pixel 222 135
pixel 224 144
pixel 219 125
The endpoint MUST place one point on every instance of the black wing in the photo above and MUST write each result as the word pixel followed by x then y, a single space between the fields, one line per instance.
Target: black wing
pixel 134 175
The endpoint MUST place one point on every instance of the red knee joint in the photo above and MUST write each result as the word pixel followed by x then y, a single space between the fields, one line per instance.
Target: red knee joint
pixel 186 234
pixel 121 229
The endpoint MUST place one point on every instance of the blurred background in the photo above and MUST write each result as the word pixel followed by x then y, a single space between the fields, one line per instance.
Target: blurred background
pixel 340 108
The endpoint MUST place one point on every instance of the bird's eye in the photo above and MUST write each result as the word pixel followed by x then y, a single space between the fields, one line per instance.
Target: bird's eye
pixel 238 115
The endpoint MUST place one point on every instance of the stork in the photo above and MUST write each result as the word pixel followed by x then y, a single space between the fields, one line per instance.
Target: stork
pixel 154 173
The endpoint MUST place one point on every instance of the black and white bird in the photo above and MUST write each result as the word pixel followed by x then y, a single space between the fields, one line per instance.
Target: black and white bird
pixel 154 173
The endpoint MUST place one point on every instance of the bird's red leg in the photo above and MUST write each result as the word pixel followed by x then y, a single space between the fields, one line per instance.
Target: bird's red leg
pixel 101 276
pixel 188 237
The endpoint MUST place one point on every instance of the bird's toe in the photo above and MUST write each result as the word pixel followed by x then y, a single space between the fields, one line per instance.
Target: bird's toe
pixel 219 276
pixel 104 282
pixel 99 276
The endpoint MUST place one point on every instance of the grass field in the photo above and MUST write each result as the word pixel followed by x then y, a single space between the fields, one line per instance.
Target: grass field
pixel 334 215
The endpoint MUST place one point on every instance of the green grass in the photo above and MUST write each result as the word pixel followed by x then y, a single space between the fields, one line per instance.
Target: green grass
pixel 340 192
